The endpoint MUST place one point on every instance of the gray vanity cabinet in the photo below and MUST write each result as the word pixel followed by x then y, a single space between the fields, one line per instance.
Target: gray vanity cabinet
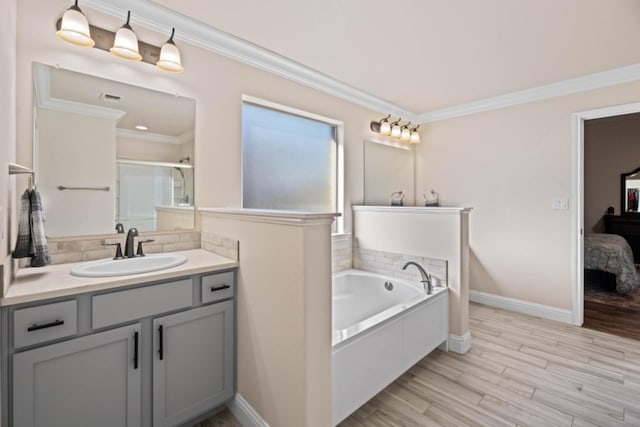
pixel 193 363
pixel 88 381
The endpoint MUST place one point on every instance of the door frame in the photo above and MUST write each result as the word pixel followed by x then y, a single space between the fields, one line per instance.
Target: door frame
pixel 578 120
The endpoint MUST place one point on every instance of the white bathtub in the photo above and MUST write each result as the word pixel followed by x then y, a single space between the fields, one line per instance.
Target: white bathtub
pixel 379 333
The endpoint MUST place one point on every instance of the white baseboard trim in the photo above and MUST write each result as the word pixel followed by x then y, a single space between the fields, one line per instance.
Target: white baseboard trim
pixel 524 307
pixel 460 344
pixel 244 413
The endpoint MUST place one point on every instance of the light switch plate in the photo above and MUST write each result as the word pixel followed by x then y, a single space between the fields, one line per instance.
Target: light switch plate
pixel 560 204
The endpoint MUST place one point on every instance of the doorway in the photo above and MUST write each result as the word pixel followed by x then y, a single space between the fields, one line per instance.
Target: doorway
pixel 579 229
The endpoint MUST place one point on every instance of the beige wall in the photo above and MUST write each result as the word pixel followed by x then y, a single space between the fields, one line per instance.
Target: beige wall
pixel 215 82
pixel 283 317
pixel 611 147
pixel 509 164
pixel 7 128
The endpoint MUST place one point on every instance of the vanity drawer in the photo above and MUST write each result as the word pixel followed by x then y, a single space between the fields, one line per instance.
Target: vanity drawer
pixel 43 323
pixel 218 286
pixel 123 306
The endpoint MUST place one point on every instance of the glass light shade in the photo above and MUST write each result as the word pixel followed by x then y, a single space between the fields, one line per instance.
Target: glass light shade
pixel 396 131
pixel 385 128
pixel 125 45
pixel 74 28
pixel 405 135
pixel 170 58
pixel 415 137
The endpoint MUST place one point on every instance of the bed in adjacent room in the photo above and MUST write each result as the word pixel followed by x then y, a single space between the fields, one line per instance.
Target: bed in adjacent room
pixel 612 253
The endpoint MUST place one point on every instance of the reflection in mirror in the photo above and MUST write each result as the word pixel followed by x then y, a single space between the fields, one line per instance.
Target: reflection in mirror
pixel 123 154
pixel 629 191
pixel 388 168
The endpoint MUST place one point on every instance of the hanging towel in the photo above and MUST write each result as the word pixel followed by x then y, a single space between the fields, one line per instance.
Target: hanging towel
pixel 38 238
pixel 24 245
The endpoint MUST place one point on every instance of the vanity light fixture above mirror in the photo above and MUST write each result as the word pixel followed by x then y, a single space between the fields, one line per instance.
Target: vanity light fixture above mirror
pixel 74 28
pixel 396 130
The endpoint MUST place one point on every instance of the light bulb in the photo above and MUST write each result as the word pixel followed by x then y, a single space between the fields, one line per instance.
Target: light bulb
pixel 385 128
pixel 396 131
pixel 415 136
pixel 74 27
pixel 405 134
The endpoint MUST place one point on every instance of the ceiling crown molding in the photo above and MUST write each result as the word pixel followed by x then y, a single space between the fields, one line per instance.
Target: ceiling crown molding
pixel 148 136
pixel 188 30
pixel 42 88
pixel 585 83
pixel 160 19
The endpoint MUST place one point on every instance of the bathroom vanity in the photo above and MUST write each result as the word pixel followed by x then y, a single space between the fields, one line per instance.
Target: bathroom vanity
pixel 155 349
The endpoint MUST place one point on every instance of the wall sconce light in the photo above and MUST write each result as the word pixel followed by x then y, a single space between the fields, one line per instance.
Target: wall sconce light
pixel 125 45
pixel 74 28
pixel 415 135
pixel 170 56
pixel 395 130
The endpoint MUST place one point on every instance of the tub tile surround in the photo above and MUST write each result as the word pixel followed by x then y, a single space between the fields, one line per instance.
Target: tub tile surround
pixel 390 264
pixel 341 252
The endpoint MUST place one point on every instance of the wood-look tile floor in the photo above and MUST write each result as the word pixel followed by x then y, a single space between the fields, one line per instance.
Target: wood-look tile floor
pixel 521 371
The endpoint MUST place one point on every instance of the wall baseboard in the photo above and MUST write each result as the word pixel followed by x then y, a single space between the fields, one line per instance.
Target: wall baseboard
pixel 244 413
pixel 524 307
pixel 460 344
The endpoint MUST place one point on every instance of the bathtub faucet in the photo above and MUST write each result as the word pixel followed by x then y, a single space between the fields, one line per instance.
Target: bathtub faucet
pixel 426 278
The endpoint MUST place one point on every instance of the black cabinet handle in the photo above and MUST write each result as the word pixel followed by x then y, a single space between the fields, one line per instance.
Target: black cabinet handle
pixel 36 327
pixel 219 288
pixel 160 349
pixel 135 350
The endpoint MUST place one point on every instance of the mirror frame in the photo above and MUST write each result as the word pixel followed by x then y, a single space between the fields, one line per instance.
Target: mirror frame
pixel 623 191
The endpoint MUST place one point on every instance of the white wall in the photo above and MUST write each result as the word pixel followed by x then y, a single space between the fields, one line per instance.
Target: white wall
pixel 76 151
pixel 138 149
pixel 509 164
pixel 7 132
pixel 611 147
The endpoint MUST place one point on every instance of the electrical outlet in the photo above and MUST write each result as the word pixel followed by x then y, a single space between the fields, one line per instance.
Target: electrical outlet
pixel 560 204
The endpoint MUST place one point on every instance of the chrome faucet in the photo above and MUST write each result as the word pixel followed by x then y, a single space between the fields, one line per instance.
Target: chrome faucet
pixel 426 277
pixel 128 247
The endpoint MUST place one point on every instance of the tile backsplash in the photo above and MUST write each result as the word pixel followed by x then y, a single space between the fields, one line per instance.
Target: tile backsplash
pixel 65 250
pixel 221 245
pixel 341 252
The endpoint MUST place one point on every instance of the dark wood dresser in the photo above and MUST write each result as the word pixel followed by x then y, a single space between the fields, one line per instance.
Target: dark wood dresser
pixel 627 226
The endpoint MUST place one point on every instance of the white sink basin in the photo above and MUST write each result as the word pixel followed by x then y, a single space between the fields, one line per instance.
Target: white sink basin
pixel 120 267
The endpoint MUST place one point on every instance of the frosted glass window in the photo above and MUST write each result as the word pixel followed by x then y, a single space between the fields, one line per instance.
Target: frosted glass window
pixel 288 161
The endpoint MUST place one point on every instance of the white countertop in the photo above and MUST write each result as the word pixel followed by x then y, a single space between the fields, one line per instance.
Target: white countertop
pixel 35 284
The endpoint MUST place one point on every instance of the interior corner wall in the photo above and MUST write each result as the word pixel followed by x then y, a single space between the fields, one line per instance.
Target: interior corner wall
pixel 509 164
pixel 611 147
pixel 7 130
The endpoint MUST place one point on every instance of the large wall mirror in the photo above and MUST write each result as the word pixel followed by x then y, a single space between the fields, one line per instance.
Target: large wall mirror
pixel 388 168
pixel 630 191
pixel 109 153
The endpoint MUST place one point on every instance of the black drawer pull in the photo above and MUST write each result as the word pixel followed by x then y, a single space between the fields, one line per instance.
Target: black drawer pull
pixel 135 350
pixel 36 327
pixel 161 344
pixel 219 288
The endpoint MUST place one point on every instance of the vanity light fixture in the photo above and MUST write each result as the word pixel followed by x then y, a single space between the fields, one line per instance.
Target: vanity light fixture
pixel 396 130
pixel 415 135
pixel 405 133
pixel 74 27
pixel 125 45
pixel 170 56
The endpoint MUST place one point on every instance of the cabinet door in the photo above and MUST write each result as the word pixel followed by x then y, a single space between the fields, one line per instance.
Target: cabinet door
pixel 193 369
pixel 88 381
